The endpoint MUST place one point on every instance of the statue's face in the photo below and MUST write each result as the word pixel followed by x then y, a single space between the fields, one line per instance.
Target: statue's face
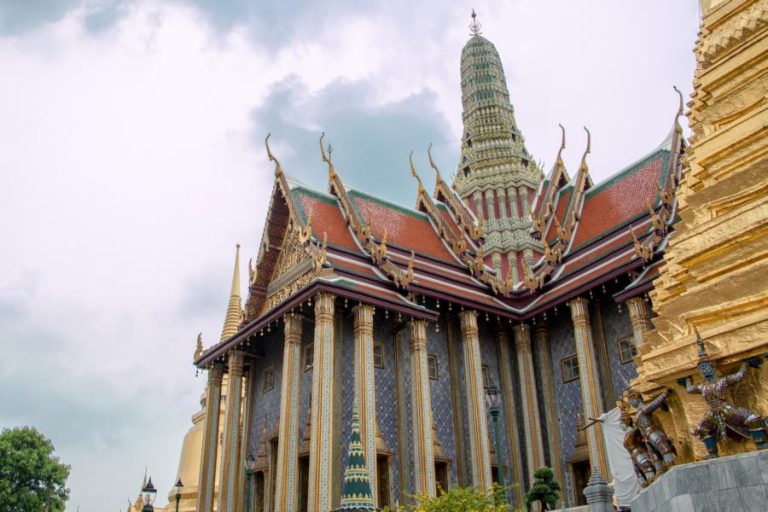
pixel 707 371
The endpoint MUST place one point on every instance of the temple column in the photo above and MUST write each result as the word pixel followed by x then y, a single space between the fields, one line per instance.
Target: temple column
pixel 590 383
pixel 510 411
pixel 322 442
pixel 421 414
pixel 489 203
pixel 210 439
pixel 286 491
pixel 365 387
pixel 531 422
pixel 548 387
pixel 230 466
pixel 640 317
pixel 524 199
pixel 477 418
pixel 512 193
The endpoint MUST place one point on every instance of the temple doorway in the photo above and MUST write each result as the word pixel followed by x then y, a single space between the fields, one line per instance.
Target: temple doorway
pixel 258 491
pixel 304 483
pixel 382 480
pixel 441 476
pixel 580 472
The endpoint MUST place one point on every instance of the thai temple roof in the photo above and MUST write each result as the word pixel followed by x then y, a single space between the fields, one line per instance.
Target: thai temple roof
pixel 552 237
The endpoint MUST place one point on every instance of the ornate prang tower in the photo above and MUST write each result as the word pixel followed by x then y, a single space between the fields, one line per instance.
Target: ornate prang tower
pixel 497 177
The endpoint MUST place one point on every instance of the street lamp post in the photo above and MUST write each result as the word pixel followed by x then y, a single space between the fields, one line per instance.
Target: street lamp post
pixel 250 466
pixel 493 398
pixel 148 493
pixel 178 488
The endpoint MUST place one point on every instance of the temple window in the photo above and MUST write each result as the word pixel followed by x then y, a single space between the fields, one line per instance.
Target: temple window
pixel 378 355
pixel 570 368
pixel 486 377
pixel 268 382
pixel 432 368
pixel 309 355
pixel 627 350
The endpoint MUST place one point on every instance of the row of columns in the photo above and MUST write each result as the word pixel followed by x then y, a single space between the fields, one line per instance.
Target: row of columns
pixel 323 435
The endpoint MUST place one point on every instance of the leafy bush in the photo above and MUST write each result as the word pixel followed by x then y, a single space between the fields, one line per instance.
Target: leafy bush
pixel 544 490
pixel 460 499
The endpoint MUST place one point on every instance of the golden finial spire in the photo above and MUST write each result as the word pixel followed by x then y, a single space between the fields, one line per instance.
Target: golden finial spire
pixel 235 309
pixel 327 158
pixel 584 168
pixel 432 163
pixel 198 347
pixel 562 146
pixel 414 174
pixel 278 167
pixel 678 128
pixel 475 27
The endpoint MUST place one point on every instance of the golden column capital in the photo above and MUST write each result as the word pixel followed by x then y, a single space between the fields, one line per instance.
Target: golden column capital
pixel 579 311
pixel 215 373
pixel 418 338
pixel 235 362
pixel 522 338
pixel 324 306
pixel 468 319
pixel 293 328
pixel 640 317
pixel 363 315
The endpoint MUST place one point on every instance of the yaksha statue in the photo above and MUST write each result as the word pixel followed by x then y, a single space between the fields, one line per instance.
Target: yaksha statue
pixel 724 418
pixel 642 460
pixel 652 433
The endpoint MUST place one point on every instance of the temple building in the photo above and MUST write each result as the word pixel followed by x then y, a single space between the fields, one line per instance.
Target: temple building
pixel 509 278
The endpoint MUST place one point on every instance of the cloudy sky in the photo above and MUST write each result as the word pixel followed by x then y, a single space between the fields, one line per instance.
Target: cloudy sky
pixel 132 161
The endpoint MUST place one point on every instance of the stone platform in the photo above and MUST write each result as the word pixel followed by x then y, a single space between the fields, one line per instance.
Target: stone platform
pixel 727 484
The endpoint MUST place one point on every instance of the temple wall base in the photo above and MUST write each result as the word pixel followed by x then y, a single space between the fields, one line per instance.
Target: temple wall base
pixel 735 483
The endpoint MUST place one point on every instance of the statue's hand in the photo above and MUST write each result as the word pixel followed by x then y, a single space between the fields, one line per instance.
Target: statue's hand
pixel 754 362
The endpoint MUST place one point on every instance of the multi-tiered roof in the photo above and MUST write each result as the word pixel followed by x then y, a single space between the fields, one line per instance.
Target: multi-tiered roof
pixel 415 261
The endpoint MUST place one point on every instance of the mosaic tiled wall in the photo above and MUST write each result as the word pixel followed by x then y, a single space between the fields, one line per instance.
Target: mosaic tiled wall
pixel 386 395
pixel 347 382
pixel 617 326
pixel 307 338
pixel 568 395
pixel 267 405
pixel 490 357
pixel 442 412
pixel 463 444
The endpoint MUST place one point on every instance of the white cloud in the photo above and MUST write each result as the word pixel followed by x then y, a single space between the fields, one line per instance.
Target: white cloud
pixel 131 163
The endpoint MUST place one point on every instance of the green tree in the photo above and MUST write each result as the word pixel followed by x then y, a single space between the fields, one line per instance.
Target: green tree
pixel 31 478
pixel 545 489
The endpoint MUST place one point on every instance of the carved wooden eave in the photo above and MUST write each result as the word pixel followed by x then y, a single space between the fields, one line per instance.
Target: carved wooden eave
pixel 289 255
pixel 663 216
pixel 463 215
pixel 543 204
pixel 376 250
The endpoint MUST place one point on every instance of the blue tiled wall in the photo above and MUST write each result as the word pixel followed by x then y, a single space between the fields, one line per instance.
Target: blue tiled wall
pixel 267 405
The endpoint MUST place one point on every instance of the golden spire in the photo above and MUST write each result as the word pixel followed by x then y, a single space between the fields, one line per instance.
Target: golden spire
pixel 475 27
pixel 278 167
pixel 235 309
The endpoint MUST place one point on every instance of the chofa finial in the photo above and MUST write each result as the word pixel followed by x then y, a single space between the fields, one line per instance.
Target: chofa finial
pixel 413 171
pixel 278 167
pixel 327 157
pixel 679 109
pixel 562 145
pixel 475 27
